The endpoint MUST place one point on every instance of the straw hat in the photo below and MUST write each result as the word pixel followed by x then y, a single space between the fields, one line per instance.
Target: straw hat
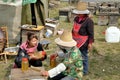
pixel 66 39
pixel 81 8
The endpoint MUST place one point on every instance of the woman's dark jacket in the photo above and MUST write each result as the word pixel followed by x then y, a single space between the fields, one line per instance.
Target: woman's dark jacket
pixel 86 29
pixel 22 53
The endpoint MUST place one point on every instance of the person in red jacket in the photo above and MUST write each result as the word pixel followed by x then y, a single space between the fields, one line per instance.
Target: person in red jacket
pixel 83 32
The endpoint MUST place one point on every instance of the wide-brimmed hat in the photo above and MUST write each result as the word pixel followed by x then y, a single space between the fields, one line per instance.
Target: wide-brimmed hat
pixel 66 39
pixel 81 8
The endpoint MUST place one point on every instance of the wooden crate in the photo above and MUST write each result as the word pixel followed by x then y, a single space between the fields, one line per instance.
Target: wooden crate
pixel 24 31
pixel 113 20
pixel 31 73
pixel 52 27
pixel 102 20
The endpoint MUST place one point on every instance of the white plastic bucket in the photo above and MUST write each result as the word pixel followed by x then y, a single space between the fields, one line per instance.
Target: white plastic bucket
pixel 48 33
pixel 112 34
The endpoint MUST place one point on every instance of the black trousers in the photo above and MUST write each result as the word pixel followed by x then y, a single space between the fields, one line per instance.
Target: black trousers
pixel 36 63
pixel 58 77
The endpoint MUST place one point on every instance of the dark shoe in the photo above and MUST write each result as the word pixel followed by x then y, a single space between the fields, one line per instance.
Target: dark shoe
pixel 85 74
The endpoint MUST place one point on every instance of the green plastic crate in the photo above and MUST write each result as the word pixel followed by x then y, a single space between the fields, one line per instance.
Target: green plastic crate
pixel 24 1
pixel 9 0
pixel 5 0
pixel 28 1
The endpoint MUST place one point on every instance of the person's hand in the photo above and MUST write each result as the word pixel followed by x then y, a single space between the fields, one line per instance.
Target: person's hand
pixel 89 47
pixel 76 79
pixel 41 54
pixel 44 73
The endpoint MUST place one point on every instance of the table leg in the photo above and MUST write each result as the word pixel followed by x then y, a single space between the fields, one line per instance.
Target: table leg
pixel 5 56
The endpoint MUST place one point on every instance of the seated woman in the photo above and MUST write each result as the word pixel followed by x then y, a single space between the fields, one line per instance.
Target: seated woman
pixel 32 50
pixel 71 67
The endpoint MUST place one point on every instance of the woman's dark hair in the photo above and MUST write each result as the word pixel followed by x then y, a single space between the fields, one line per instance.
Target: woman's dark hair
pixel 31 35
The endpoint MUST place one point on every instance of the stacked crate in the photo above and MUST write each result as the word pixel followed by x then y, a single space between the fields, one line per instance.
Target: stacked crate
pixel 108 14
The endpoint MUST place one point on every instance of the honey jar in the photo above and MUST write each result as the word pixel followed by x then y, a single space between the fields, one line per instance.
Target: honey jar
pixel 52 61
pixel 25 64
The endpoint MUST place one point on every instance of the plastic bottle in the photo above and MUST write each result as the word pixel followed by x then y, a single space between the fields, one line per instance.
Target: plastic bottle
pixel 25 64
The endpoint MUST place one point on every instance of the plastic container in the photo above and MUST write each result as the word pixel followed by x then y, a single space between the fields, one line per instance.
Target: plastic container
pixel 25 64
pixel 28 1
pixel 48 33
pixel 112 34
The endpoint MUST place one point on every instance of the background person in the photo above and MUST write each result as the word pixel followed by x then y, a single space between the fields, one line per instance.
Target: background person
pixel 83 32
pixel 71 66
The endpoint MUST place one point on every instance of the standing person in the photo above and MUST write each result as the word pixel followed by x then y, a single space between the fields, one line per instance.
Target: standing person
pixel 83 32
pixel 32 50
pixel 70 68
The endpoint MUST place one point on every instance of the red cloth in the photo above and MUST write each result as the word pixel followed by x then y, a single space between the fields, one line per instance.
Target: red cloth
pixel 76 36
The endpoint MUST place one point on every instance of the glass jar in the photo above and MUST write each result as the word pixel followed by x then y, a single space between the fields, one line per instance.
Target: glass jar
pixel 52 61
pixel 25 64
